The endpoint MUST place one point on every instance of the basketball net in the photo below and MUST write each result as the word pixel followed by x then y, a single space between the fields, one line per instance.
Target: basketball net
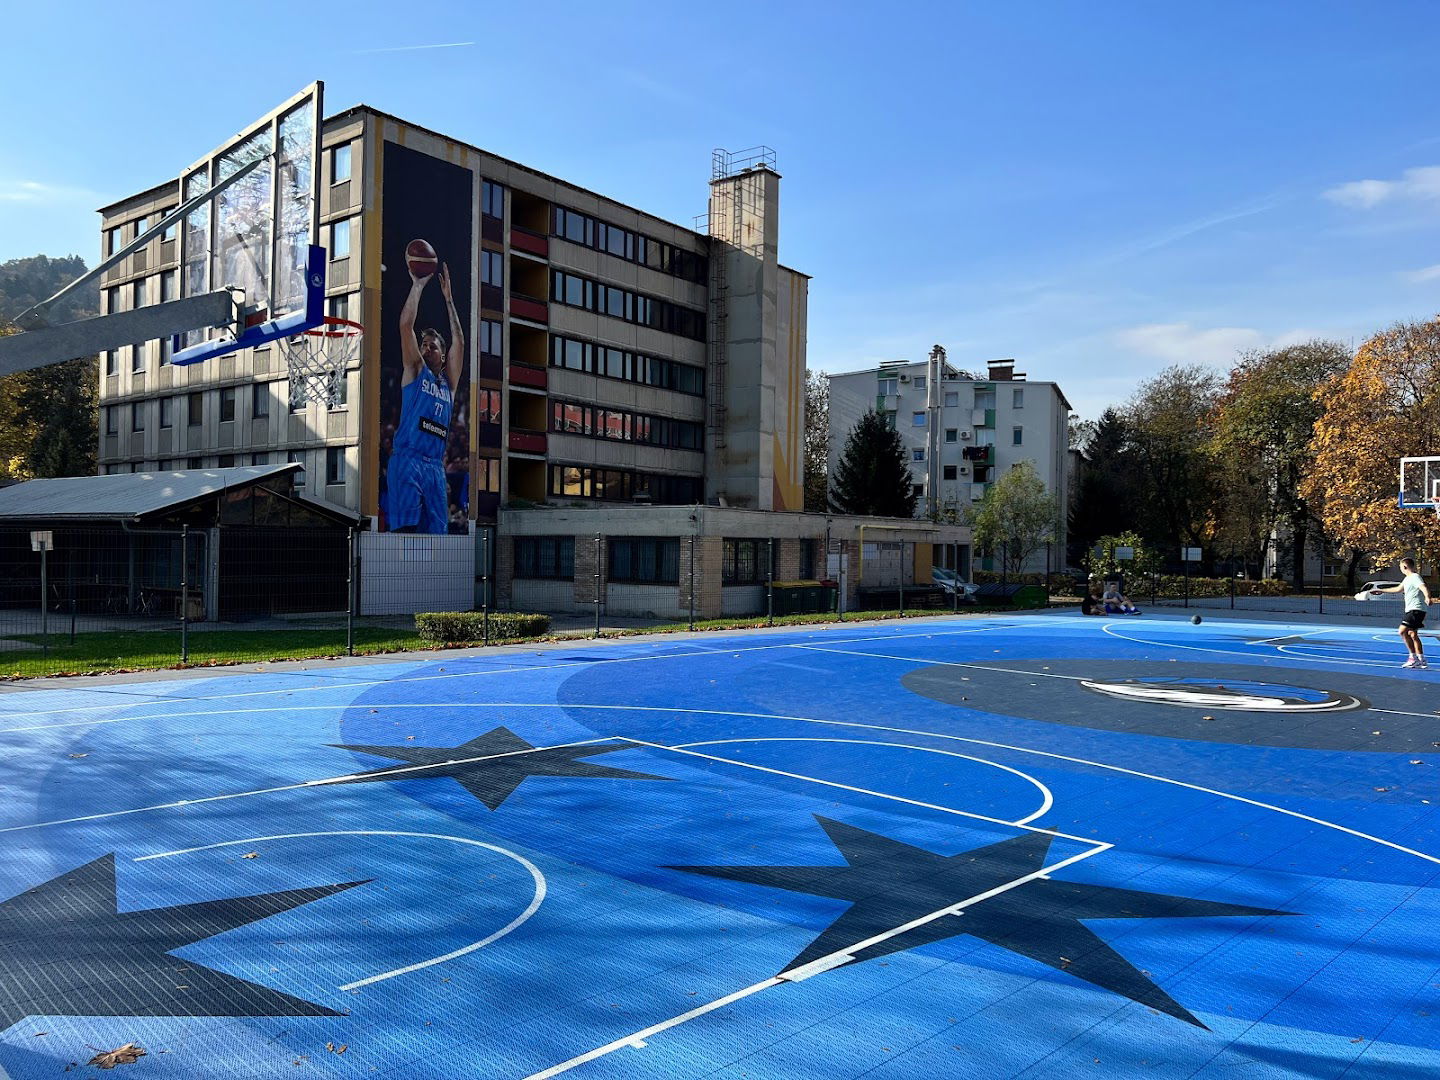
pixel 317 359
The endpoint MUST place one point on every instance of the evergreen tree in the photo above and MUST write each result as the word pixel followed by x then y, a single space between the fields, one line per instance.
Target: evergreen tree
pixel 873 477
pixel 1106 492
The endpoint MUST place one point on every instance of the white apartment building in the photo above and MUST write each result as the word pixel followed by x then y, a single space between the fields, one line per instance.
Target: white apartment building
pixel 960 432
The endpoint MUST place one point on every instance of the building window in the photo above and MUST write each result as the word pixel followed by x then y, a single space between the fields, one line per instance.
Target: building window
pixel 919 382
pixel 807 559
pixel 919 490
pixel 625 244
pixel 917 453
pixel 745 562
pixel 952 434
pixel 645 561
pixel 226 461
pixel 1018 401
pixel 492 199
pixel 576 291
pixel 335 465
pixel 260 400
pixel 112 299
pixel 545 557
pixel 340 164
pixel 194 463
pixel 115 242
pixel 227 404
pixel 917 419
pixel 488 403
pixel 112 420
pixel 487 475
pixel 952 398
pixel 889 386
pixel 341 385
pixel 492 268
pixel 137 356
pixel 112 362
pixel 1018 435
pixel 984 399
pixel 632 367
pixel 141 224
pixel 164 465
pixel 259 459
pixel 137 416
pixel 950 472
pixel 171 230
pixel 490 337
pixel 195 404
pixel 167 412
pixel 167 286
pixel 340 240
pixel 294 457
pixel 339 306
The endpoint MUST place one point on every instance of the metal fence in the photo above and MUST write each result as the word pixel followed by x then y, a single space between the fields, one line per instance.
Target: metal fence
pixel 1259 595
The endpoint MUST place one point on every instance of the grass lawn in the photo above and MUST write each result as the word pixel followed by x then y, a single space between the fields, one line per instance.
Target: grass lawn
pixel 120 650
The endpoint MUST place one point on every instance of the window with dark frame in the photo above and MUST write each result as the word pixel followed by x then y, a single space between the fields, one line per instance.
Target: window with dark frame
pixel 137 416
pixel 340 164
pixel 227 404
pixel 588 356
pixel 744 562
pixel 334 465
pixel 576 291
pixel 167 412
pixel 195 408
pixel 545 557
pixel 260 400
pixel 644 561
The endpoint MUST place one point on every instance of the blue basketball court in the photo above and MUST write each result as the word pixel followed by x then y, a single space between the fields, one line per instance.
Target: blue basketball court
pixel 985 847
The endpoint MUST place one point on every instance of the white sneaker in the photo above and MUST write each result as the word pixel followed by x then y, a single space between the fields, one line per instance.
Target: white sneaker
pixel 1421 663
pixel 1411 663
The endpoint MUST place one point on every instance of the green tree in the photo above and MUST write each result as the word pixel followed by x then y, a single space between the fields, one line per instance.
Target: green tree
pixel 1169 417
pixel 817 441
pixel 1107 496
pixel 1017 515
pixel 1262 433
pixel 872 476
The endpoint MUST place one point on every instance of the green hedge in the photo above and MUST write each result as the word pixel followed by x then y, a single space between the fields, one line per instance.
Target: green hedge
pixel 1173 585
pixel 457 626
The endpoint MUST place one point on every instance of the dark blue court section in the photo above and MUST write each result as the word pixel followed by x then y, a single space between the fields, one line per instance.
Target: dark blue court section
pixel 1020 846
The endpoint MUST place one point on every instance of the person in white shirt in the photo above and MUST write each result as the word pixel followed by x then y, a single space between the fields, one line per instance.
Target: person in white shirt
pixel 1417 597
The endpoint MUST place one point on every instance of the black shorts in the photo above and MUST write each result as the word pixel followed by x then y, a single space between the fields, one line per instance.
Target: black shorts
pixel 1413 620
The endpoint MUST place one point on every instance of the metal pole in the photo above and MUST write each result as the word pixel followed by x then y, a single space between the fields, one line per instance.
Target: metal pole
pixel 1186 561
pixel 1047 573
pixel 955 569
pixel 1004 562
pixel 597 584
pixel 350 593
pixel 184 594
pixel 1232 584
pixel 692 582
pixel 71 575
pixel 901 585
pixel 770 582
pixel 44 594
pixel 485 585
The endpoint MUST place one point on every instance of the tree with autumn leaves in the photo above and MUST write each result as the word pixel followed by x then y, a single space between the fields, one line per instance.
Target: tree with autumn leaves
pixel 1384 406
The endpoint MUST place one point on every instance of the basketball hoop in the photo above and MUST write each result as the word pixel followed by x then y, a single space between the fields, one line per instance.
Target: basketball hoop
pixel 317 359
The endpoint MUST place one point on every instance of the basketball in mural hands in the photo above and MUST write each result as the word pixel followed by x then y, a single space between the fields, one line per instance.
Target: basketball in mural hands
pixel 420 258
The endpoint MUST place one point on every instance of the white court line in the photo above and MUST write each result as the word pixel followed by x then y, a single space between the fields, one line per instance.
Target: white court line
pixel 534 905
pixel 358 684
pixel 1313 633
pixel 296 787
pixel 637 1040
pixel 1109 629
pixel 1047 797
pixel 866 791
pixel 832 723
pixel 944 663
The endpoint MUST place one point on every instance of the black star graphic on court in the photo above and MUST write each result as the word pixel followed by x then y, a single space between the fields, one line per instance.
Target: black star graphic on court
pixel 66 949
pixel 890 884
pixel 492 766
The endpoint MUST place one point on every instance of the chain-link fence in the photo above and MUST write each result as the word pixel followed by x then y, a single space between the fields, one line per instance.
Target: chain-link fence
pixel 1269 595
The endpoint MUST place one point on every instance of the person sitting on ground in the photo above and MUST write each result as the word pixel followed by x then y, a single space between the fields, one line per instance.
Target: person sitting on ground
pixel 1116 602
pixel 1090 602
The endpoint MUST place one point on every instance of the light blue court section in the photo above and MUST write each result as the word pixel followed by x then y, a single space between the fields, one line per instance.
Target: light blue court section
pixel 992 847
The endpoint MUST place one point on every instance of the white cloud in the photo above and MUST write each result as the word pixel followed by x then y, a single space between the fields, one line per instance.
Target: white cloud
pixel 32 191
pixel 1427 273
pixel 1419 184
pixel 1181 343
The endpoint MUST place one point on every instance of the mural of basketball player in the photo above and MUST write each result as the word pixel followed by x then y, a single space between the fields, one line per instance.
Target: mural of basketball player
pixel 431 370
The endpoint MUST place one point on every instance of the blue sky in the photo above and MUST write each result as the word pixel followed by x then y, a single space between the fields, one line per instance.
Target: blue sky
pixel 1096 189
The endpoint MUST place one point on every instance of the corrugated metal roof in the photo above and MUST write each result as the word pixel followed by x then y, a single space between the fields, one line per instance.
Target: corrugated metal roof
pixel 126 496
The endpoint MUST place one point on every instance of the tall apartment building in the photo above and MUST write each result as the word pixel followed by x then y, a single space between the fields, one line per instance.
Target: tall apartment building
pixel 611 356
pixel 962 432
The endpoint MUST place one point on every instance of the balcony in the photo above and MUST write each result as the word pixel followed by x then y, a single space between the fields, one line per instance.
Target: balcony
pixel 527 442
pixel 524 375
pixel 532 243
pixel 525 307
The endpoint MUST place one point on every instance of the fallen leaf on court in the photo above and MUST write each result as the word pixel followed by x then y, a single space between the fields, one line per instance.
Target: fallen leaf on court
pixel 337 1049
pixel 1382 789
pixel 1417 761
pixel 39 1033
pixel 1207 718
pixel 124 1055
pixel 409 736
pixel 1360 1039
pixel 251 855
pixel 79 755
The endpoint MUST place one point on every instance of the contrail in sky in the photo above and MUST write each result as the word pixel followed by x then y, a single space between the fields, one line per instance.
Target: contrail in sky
pixel 413 48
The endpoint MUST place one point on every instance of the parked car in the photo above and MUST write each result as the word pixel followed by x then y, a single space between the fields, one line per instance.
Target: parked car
pixel 953 583
pixel 1368 593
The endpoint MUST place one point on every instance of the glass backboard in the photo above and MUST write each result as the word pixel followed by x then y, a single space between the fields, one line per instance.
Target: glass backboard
pixel 257 235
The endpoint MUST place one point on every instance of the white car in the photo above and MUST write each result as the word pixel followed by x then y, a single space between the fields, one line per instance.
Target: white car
pixel 952 582
pixel 1369 593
